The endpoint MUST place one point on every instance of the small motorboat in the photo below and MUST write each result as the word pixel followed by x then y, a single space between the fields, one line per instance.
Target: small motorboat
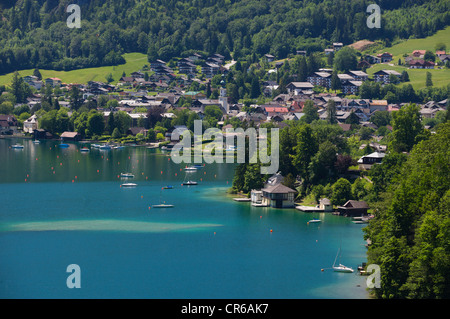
pixel 168 187
pixel 190 183
pixel 84 149
pixel 62 145
pixel 128 185
pixel 162 206
pixel 314 220
pixel 126 175
pixel 17 146
pixel 96 145
pixel 36 142
pixel 191 168
pixel 105 147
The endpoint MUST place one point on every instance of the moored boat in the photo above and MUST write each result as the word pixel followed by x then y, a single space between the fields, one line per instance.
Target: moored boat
pixel 128 185
pixel 190 183
pixel 17 146
pixel 126 175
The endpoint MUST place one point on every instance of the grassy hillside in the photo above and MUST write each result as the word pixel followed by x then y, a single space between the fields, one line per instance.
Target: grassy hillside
pixel 440 77
pixel 134 62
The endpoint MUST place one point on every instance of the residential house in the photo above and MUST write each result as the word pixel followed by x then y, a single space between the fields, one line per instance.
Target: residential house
pixel 337 46
pixel 385 57
pixel 366 162
pixel 269 57
pixel 378 105
pixel 351 87
pixel 53 82
pixel 383 76
pixel 210 69
pixel 419 53
pixel 372 59
pixel 30 124
pixel 186 66
pixel 345 77
pixel 8 124
pixel 298 87
pixel 421 64
pixel 321 79
pixel 444 58
pixel 353 208
pixel 359 75
pixel 328 51
pixel 440 52
pixel 301 52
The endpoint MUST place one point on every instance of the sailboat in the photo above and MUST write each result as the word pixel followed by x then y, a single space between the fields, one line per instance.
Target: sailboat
pixel 340 267
pixel 162 205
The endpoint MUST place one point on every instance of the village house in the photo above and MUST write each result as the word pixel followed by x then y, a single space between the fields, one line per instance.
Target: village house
pixel 8 124
pixel 383 76
pixel 419 53
pixel 30 124
pixel 337 46
pixel 321 79
pixel 421 64
pixel 53 82
pixel 210 69
pixel 366 162
pixel 299 87
pixel 385 57
pixel 359 75
pixel 186 66
pixel 269 57
pixel 351 87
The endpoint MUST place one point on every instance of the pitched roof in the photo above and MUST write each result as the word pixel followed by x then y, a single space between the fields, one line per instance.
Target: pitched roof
pixel 355 204
pixel 278 189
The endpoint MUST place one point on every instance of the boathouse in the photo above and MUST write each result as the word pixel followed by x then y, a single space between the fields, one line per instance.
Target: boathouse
pixel 278 196
pixel 353 208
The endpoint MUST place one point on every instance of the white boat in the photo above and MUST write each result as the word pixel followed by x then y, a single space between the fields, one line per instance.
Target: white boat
pixel 314 220
pixel 105 147
pixel 126 175
pixel 84 149
pixel 190 183
pixel 128 185
pixel 17 146
pixel 36 142
pixel 96 145
pixel 340 267
pixel 191 168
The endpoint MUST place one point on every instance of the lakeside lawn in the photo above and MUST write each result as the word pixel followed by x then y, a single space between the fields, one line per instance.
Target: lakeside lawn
pixel 134 62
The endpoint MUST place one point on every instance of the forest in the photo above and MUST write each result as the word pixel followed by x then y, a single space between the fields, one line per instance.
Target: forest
pixel 33 33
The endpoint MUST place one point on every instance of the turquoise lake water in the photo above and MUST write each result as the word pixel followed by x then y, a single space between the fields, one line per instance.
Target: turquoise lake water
pixel 62 207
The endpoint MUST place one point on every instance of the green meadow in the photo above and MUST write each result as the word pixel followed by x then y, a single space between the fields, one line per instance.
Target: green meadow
pixel 440 77
pixel 134 62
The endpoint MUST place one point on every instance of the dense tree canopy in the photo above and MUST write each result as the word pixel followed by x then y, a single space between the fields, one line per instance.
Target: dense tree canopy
pixel 33 33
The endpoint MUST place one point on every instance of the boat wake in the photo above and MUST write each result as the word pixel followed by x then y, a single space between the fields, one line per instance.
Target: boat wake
pixel 107 225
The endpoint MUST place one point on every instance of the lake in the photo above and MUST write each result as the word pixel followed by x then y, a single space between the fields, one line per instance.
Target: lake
pixel 61 206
